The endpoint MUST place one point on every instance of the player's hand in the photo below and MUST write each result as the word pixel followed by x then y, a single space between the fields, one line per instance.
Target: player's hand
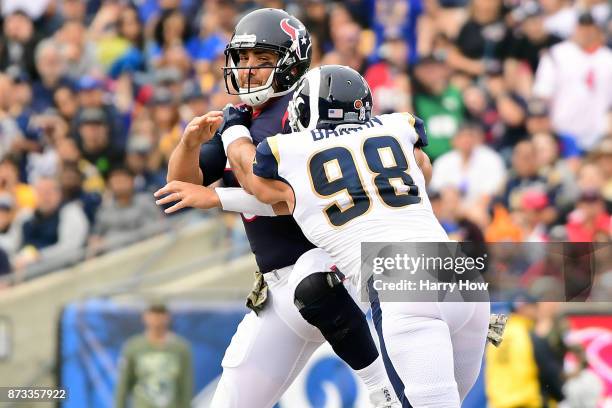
pixel 186 195
pixel 201 129
pixel 236 115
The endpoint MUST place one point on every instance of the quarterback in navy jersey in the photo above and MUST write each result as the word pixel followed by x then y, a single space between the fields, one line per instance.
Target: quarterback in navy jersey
pixel 268 53
pixel 276 241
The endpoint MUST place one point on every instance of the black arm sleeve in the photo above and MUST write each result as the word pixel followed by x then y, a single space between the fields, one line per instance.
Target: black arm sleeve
pixel 212 159
pixel 549 369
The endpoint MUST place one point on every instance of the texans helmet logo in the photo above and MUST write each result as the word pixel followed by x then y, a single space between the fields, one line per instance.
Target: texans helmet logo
pixel 299 37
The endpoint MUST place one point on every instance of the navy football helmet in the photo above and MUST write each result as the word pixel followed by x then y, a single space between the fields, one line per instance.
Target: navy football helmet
pixel 272 30
pixel 329 96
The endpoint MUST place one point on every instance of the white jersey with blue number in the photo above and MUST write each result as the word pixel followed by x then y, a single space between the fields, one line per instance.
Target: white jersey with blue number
pixel 354 185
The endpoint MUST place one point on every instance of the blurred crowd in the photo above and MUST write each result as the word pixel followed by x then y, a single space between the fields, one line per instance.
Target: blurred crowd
pixel 516 96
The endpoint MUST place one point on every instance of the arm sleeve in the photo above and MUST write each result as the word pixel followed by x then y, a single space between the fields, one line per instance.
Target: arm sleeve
pixel 266 159
pixel 212 159
pixel 237 200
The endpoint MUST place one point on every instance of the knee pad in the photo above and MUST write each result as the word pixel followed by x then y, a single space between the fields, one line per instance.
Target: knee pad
pixel 324 302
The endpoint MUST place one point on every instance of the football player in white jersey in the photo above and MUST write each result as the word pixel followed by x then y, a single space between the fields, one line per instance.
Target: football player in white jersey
pixel 348 178
pixel 267 54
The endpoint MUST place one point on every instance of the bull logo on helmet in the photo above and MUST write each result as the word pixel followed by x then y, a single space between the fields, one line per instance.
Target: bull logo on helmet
pixel 299 38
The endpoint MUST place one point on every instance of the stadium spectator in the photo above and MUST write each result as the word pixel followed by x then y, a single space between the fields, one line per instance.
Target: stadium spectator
pixel 579 90
pixel 51 71
pixel 397 19
pixel 535 214
pixel 155 368
pixel 559 175
pixel 71 183
pixel 167 121
pixel 524 175
pixel 438 103
pixel 346 39
pixel 20 98
pixel 18 42
pixel 195 102
pixel 522 372
pixel 41 159
pixel 482 42
pixel 94 140
pixel 66 102
pixel 171 29
pixel 170 79
pixel 91 96
pixel 316 18
pixel 69 155
pixel 136 160
pixel 209 42
pixel 440 20
pixel 589 221
pixel 77 51
pixel 472 167
pixel 590 177
pixel 530 40
pixel 52 230
pixel 388 79
pixel 124 215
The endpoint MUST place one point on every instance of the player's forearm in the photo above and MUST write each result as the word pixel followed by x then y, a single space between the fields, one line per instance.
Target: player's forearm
pixel 183 164
pixel 424 164
pixel 241 154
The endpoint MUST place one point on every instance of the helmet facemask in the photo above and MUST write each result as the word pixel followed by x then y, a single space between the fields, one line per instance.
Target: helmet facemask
pixel 254 96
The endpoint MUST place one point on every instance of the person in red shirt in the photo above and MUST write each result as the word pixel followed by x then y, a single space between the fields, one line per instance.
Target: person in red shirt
pixel 590 221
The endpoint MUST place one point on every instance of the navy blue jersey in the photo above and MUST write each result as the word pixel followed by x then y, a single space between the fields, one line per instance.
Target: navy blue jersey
pixel 276 241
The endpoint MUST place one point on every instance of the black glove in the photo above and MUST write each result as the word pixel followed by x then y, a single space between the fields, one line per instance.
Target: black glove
pixel 235 115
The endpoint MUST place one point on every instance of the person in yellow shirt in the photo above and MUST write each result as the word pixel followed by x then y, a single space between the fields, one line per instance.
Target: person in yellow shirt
pixel 522 372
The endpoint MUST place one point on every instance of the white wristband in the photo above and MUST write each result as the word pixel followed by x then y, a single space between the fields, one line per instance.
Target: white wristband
pixel 233 133
pixel 237 200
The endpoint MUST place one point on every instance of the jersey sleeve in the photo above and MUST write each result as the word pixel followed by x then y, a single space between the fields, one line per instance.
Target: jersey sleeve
pixel 415 123
pixel 419 127
pixel 267 159
pixel 212 160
